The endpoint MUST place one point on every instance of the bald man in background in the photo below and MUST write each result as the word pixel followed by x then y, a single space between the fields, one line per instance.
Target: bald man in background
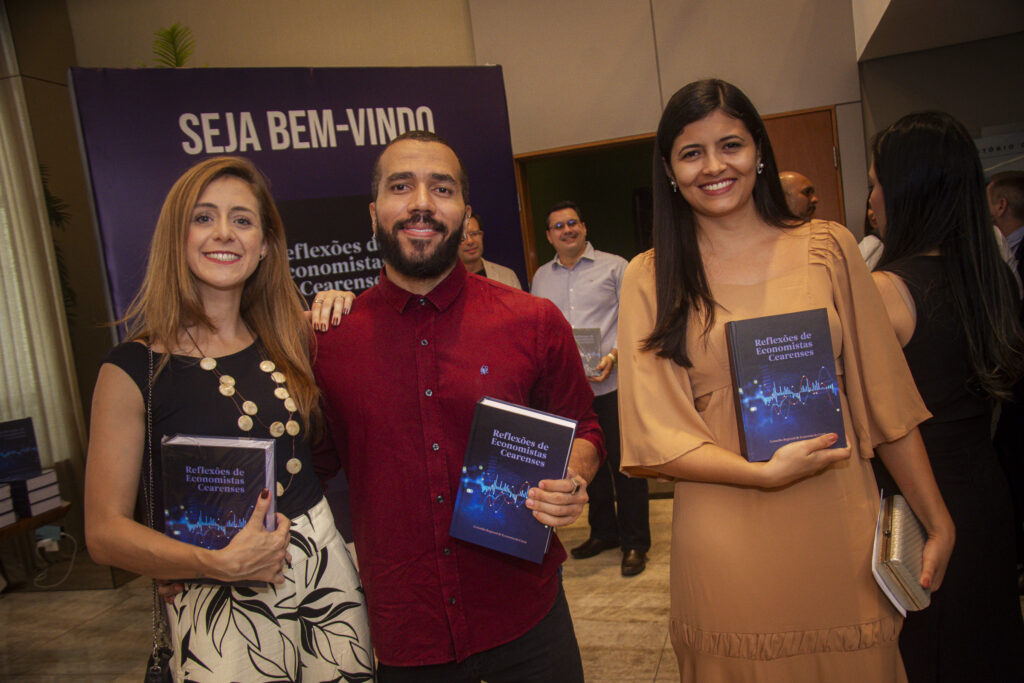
pixel 800 194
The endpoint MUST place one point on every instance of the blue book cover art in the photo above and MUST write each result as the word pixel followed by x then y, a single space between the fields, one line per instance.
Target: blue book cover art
pixel 211 485
pixel 784 381
pixel 19 454
pixel 511 448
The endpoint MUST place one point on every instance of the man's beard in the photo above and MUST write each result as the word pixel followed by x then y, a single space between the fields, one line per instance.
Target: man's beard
pixel 421 265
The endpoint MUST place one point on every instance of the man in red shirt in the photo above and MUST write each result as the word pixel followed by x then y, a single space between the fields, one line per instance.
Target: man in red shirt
pixel 400 379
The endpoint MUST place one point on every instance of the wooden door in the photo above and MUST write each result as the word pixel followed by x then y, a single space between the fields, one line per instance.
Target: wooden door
pixel 806 142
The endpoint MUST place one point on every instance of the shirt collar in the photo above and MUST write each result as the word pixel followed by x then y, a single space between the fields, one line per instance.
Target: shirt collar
pixel 588 253
pixel 1015 237
pixel 441 296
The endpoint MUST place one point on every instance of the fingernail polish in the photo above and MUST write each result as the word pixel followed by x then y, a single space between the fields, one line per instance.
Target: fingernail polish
pixel 265 494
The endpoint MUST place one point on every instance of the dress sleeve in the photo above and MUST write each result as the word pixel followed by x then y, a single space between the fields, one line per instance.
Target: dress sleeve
pixel 659 421
pixel 884 402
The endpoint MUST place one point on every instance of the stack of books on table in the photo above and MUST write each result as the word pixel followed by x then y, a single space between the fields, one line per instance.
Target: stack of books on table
pixel 30 490
pixel 35 495
pixel 7 516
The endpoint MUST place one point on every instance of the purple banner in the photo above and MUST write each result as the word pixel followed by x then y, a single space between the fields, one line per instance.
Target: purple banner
pixel 315 134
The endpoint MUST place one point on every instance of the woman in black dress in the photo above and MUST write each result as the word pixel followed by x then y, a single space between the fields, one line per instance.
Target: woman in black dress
pixel 218 345
pixel 954 305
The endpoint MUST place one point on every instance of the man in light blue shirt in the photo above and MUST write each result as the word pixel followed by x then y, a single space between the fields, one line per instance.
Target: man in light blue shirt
pixel 585 283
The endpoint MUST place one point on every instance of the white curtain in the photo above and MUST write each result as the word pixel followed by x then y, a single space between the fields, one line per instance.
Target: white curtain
pixel 37 376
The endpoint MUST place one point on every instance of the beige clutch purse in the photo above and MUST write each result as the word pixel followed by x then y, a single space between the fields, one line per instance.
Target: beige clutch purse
pixel 898 555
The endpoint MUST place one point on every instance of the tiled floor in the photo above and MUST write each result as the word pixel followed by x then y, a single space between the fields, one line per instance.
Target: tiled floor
pixel 94 636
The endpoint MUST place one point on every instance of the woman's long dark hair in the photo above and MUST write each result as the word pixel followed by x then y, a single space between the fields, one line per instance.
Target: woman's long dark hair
pixel 934 191
pixel 680 281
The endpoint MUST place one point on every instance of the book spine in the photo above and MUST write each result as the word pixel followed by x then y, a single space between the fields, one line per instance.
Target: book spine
pixel 736 371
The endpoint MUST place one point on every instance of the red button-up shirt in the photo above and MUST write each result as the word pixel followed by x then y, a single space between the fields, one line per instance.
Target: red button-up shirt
pixel 400 379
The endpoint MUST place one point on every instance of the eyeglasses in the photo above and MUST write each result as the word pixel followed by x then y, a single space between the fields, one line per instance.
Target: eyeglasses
pixel 472 234
pixel 571 223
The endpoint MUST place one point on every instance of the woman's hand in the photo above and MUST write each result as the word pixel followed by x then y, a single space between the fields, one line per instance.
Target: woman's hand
pixel 800 459
pixel 255 554
pixel 937 550
pixel 329 306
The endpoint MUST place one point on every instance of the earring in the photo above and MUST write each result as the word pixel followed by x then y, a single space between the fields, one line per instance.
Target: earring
pixel 263 255
pixel 760 167
pixel 675 188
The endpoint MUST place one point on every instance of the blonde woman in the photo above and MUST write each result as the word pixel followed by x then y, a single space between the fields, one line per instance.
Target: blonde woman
pixel 217 300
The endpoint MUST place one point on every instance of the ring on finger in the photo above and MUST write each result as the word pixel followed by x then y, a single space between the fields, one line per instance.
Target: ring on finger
pixel 575 487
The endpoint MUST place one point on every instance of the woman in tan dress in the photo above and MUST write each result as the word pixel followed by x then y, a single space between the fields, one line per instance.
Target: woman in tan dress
pixel 771 576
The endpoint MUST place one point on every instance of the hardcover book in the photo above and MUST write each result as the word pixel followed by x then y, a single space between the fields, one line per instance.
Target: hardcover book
pixel 28 493
pixel 511 448
pixel 19 454
pixel 588 341
pixel 39 507
pixel 211 485
pixel 898 555
pixel 6 502
pixel 784 381
pixel 7 518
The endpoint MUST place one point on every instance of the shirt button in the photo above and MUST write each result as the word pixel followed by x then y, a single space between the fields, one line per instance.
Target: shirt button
pixel 436 446
pixel 447 551
pixel 440 499
pixel 423 342
pixel 451 601
pixel 423 302
pixel 429 393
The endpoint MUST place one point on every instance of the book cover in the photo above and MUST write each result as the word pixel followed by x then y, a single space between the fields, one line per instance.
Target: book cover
pixel 511 448
pixel 19 454
pixel 588 341
pixel 211 485
pixel 784 381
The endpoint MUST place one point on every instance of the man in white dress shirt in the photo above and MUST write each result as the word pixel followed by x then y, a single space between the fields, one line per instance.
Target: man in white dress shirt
pixel 585 283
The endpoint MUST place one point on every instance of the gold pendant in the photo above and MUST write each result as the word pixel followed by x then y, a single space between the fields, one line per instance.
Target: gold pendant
pixel 226 390
pixel 281 393
pixel 227 380
pixel 277 377
pixel 280 490
pixel 290 405
pixel 207 363
pixel 245 423
pixel 292 427
pixel 249 408
pixel 294 466
pixel 267 366
pixel 276 429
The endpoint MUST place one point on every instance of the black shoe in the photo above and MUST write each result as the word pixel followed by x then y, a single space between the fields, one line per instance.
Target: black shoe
pixel 633 562
pixel 592 546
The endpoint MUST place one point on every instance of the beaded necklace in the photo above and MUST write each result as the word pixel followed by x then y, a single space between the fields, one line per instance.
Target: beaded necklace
pixel 247 410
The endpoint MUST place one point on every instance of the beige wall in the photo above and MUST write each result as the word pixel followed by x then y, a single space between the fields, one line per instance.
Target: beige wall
pixel 785 54
pixel 231 33
pixel 575 70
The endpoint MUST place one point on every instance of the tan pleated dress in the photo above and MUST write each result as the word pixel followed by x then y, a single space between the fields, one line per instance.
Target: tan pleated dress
pixel 772 585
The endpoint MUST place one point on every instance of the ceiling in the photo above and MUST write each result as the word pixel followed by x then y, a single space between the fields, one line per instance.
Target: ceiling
pixel 913 25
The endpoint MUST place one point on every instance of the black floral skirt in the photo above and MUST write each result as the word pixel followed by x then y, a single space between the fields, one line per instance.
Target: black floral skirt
pixel 313 627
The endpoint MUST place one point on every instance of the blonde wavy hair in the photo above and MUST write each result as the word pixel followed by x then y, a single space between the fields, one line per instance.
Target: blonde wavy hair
pixel 271 306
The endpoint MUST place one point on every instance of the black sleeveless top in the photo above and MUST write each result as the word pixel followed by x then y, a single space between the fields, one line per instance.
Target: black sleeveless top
pixel 186 400
pixel 938 357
